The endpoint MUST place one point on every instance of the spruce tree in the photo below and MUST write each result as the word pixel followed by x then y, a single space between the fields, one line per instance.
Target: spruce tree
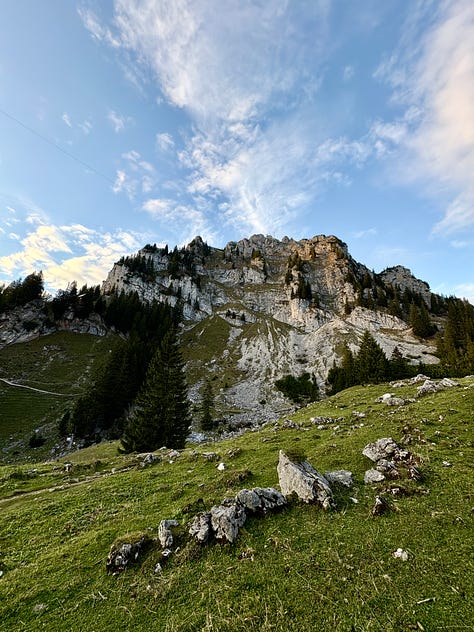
pixel 207 407
pixel 372 365
pixel 161 415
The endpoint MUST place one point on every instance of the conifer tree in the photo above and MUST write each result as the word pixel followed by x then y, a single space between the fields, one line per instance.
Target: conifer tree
pixel 372 365
pixel 207 407
pixel 161 415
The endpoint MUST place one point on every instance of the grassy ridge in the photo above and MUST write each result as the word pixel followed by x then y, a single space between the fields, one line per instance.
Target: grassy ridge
pixel 63 363
pixel 302 569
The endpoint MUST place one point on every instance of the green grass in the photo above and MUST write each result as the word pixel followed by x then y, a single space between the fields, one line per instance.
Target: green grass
pixel 62 363
pixel 302 569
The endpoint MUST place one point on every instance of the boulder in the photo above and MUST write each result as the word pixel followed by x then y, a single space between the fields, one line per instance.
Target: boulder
pixel 339 477
pixel 261 499
pixel 373 476
pixel 200 527
pixel 305 481
pixel 380 449
pixel 226 519
pixel 165 534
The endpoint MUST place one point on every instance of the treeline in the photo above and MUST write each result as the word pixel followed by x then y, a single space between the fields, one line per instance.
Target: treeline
pixel 455 349
pixel 369 366
pixel 104 406
pixel 301 390
pixel 456 345
pixel 21 292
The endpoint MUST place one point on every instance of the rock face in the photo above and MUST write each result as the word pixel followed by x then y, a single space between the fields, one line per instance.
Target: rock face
pixel 302 479
pixel 31 321
pixel 262 308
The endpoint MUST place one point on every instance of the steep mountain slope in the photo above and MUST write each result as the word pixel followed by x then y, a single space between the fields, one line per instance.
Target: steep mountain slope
pixel 261 308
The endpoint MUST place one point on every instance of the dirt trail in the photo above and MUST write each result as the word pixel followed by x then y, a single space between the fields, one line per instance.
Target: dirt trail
pixel 37 390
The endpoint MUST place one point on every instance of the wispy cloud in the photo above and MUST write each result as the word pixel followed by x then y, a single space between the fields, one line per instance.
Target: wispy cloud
pixel 164 141
pixel 136 175
pixel 118 121
pixel 66 119
pixel 362 234
pixel 256 171
pixel 432 75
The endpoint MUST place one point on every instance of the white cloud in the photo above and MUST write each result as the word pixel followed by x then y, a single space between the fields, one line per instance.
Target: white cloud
pixel 362 234
pixel 136 175
pixel 66 119
pixel 348 73
pixel 164 141
pixel 465 290
pixel 433 75
pixel 85 127
pixel 261 171
pixel 118 121
pixel 68 253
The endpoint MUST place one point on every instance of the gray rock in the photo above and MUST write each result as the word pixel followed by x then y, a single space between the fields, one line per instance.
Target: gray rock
pixel 381 449
pixel 165 534
pixel 125 553
pixel 200 527
pixel 373 476
pixel 427 388
pixel 261 499
pixel 226 520
pixel 340 477
pixel 305 481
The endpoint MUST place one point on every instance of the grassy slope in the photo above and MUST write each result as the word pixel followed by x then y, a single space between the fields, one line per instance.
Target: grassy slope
pixel 61 363
pixel 302 569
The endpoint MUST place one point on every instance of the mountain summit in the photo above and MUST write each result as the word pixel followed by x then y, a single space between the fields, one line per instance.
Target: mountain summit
pixel 262 308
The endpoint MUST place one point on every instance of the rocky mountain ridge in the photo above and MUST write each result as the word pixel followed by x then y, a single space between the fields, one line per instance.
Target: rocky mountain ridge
pixel 262 308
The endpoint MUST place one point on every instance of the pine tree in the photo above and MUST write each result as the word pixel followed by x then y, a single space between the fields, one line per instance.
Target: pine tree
pixel 161 415
pixel 207 407
pixel 372 365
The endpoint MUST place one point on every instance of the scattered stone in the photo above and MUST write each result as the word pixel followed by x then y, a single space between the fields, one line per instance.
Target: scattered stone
pixel 165 534
pixel 448 383
pixel 124 553
pixel 339 477
pixel 417 379
pixel 200 527
pixel 383 398
pixel 395 401
pixel 381 449
pixel 226 519
pixel 373 476
pixel 427 388
pixel 261 499
pixel 234 452
pixel 380 506
pixel 173 454
pixel 210 456
pixel 149 459
pixel 158 568
pixel 305 481
pixel 446 464
pixel 400 554
pixel 222 466
pixel 356 413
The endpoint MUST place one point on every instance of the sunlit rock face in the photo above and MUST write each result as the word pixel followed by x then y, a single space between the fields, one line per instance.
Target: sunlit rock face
pixel 261 308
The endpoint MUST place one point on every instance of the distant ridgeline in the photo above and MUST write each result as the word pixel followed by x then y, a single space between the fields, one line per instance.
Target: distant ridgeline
pixel 265 324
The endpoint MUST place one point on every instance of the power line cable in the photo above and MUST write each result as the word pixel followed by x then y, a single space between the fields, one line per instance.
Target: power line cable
pixel 53 144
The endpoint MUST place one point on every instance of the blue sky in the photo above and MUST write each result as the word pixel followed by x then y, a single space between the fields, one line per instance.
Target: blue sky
pixel 129 122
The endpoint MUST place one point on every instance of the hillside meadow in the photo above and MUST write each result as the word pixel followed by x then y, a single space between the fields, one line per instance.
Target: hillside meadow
pixel 301 569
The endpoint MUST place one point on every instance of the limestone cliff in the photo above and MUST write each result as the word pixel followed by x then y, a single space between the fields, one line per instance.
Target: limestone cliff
pixel 261 308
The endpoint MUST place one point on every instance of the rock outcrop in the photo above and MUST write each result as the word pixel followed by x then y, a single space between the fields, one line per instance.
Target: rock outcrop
pixel 261 308
pixel 303 480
